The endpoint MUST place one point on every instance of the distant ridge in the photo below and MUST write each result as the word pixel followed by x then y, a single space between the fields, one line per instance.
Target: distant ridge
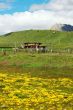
pixel 62 27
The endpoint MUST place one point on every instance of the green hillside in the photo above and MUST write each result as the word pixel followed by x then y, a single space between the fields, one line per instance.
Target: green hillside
pixel 58 40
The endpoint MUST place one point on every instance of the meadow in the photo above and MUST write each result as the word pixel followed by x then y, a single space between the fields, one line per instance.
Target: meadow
pixel 40 64
pixel 25 92
pixel 37 81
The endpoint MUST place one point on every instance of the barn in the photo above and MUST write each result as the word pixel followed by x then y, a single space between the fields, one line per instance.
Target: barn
pixel 34 47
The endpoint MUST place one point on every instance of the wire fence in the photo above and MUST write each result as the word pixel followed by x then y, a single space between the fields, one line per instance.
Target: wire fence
pixel 49 47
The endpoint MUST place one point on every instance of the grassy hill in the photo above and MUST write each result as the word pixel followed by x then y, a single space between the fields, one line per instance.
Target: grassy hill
pixel 58 40
pixel 48 64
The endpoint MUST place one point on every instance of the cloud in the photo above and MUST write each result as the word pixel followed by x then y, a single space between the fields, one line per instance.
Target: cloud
pixel 60 8
pixel 41 19
pixel 4 6
pixel 54 5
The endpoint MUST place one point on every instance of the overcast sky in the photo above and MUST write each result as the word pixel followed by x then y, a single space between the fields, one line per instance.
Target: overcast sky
pixel 18 15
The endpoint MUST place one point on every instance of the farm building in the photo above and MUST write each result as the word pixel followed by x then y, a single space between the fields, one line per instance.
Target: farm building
pixel 37 47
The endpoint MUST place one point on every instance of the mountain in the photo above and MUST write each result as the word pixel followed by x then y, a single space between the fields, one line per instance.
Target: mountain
pixel 62 27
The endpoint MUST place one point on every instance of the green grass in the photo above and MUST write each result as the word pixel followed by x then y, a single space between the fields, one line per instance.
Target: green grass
pixel 52 68
pixel 57 40
pixel 43 64
pixel 48 63
pixel 38 60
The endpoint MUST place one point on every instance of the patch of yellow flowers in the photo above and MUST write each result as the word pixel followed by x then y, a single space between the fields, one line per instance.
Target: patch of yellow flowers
pixel 24 92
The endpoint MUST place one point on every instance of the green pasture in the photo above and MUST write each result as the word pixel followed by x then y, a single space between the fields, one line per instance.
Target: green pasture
pixel 52 39
pixel 48 76
pixel 41 64
pixel 53 64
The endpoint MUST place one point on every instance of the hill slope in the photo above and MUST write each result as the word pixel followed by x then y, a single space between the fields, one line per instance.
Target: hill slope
pixel 53 39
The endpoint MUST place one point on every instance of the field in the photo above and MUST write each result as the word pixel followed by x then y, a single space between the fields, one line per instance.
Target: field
pixel 25 92
pixel 37 81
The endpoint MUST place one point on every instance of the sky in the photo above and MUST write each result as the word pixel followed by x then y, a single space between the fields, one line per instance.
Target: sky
pixel 17 15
